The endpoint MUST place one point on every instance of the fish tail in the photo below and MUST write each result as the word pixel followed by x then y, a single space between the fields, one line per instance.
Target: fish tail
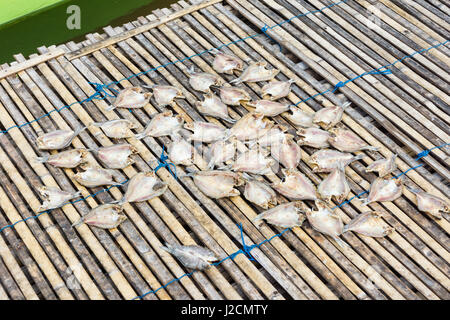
pixel 79 222
pixel 140 136
pixel 359 157
pixel 346 104
pixel 230 120
pixel 370 148
pixel 413 190
pixel 236 81
pixel 341 242
pixel 95 124
pixel 148 86
pixel 167 247
pixel 77 194
pixel 259 217
pixel 110 108
pixel 365 202
pixel 42 159
pixel 77 132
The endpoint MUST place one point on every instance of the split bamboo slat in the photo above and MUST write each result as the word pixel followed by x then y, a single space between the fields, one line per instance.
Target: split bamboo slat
pixel 404 112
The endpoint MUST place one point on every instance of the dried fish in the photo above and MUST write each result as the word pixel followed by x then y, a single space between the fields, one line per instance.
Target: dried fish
pixel 205 131
pixel 254 161
pixel 268 108
pixel 300 118
pixel 233 96
pixel 369 224
pixel 143 186
pixel 328 117
pixel 193 257
pixel 162 124
pixel 217 184
pixel 226 63
pixel 325 221
pixel 221 151
pixel 55 198
pixel 116 129
pixel 164 95
pixel 346 141
pixel 313 137
pixel 334 185
pixel 275 135
pixel 256 72
pixel 66 159
pixel 116 156
pixel 295 186
pixel 180 151
pixel 95 176
pixel 326 160
pixel 105 216
pixel 285 215
pixel 214 107
pixel 384 190
pixel 250 127
pixel 287 152
pixel 259 192
pixel 383 166
pixel 133 97
pixel 201 81
pixel 58 139
pixel 276 90
pixel 430 204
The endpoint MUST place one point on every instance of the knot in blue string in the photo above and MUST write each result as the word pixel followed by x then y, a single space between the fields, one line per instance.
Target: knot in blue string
pixel 162 163
pixel 338 85
pixel 422 154
pixel 264 30
pixel 245 249
pixel 100 91
pixel 387 71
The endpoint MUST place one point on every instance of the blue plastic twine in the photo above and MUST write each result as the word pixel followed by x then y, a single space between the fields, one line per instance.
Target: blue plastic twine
pixel 424 153
pixel 100 91
pixel 162 163
pixel 264 30
pixel 341 84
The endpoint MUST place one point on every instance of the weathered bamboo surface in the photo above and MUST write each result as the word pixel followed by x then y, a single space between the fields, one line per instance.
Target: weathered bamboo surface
pixel 405 113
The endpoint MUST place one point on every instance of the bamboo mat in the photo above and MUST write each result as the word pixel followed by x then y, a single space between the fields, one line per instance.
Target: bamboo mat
pixel 323 43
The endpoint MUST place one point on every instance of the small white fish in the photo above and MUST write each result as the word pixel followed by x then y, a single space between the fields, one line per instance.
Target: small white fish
pixel 164 95
pixel 192 257
pixel 383 166
pixel 226 63
pixel 268 108
pixel 259 192
pixel 275 135
pixel 324 220
pixel 214 107
pixel 180 151
pixel 217 184
pixel 221 151
pixel 233 96
pixel 116 129
pixel 256 72
pixel 202 81
pixel 276 90
pixel 295 186
pixel 66 159
pixel 300 118
pixel 369 224
pixel 116 156
pixel 328 117
pixel 95 176
pixel 430 204
pixel 105 216
pixel 313 137
pixel 326 160
pixel 143 186
pixel 254 161
pixel 334 185
pixel 287 152
pixel 285 215
pixel 58 139
pixel 162 124
pixel 250 127
pixel 346 141
pixel 205 131
pixel 131 98
pixel 55 198
pixel 384 190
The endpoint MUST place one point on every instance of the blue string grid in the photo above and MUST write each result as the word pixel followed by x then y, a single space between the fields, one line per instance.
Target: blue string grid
pixel 101 93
